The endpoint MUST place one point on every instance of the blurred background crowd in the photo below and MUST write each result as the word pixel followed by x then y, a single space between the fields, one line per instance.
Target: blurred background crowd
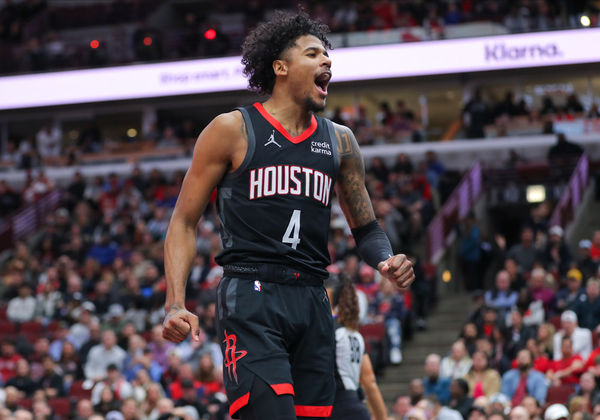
pixel 82 289
pixel 30 31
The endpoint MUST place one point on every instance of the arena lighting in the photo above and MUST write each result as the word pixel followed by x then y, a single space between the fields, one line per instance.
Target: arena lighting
pixel 94 44
pixel 147 41
pixel 536 193
pixel 446 276
pixel 410 59
pixel 210 34
pixel 585 21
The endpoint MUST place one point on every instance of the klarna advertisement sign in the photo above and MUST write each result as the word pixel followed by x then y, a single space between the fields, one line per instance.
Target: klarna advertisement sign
pixel 349 64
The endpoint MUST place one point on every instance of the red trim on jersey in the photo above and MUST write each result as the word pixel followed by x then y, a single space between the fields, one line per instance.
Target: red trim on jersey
pixel 281 389
pixel 277 125
pixel 314 411
pixel 239 403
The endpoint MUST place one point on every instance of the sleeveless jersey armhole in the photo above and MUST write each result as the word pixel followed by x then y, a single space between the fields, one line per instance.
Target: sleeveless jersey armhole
pixel 334 147
pixel 251 145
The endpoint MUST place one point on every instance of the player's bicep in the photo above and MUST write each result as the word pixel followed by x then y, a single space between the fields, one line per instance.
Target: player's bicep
pixel 350 187
pixel 210 162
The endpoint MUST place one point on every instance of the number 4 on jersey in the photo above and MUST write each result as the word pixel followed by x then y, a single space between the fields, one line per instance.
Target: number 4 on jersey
pixel 292 233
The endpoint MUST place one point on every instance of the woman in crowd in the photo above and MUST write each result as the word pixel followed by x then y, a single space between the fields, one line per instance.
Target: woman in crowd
pixel 482 380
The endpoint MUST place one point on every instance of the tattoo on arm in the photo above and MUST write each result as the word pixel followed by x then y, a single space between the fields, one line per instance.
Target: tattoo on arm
pixel 173 308
pixel 344 143
pixel 352 192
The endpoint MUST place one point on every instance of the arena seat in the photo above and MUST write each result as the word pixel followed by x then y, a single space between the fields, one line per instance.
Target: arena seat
pixel 26 403
pixel 53 326
pixel 77 391
pixel 60 406
pixel 7 329
pixel 555 320
pixel 559 394
pixel 375 344
pixel 31 338
pixel 31 327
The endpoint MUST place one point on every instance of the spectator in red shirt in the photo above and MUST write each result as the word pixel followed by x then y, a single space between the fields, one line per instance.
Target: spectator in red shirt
pixel 591 360
pixel 541 363
pixel 8 360
pixel 595 248
pixel 185 374
pixel 567 369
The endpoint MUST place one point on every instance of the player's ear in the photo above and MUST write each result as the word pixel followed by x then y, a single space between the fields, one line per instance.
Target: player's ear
pixel 280 68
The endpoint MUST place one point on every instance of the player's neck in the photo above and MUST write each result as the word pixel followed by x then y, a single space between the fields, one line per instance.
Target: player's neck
pixel 293 117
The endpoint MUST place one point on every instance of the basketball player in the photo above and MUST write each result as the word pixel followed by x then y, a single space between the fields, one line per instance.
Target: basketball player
pixel 275 165
pixel 352 365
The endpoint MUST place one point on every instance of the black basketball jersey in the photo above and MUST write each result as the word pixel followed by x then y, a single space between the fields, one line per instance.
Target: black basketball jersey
pixel 275 208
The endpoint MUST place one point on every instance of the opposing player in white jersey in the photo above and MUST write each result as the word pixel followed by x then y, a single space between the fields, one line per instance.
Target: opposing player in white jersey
pixel 353 368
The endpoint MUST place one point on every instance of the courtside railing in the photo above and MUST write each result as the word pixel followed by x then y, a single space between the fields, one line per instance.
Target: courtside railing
pixel 440 231
pixel 564 212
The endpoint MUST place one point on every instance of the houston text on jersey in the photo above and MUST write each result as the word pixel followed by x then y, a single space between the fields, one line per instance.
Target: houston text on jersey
pixel 292 180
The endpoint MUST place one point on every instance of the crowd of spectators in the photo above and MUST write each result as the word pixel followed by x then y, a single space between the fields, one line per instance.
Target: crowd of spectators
pixel 83 297
pixel 50 146
pixel 30 31
pixel 480 114
pixel 531 340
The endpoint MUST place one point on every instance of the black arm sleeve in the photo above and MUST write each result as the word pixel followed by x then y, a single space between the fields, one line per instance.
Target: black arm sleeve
pixel 372 243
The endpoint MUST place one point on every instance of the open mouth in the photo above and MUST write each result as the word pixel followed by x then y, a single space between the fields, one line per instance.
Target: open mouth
pixel 322 81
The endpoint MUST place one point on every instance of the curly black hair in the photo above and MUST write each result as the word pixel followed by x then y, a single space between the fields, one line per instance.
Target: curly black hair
pixel 269 39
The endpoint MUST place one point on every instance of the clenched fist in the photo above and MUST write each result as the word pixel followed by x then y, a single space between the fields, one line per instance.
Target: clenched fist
pixel 178 323
pixel 399 270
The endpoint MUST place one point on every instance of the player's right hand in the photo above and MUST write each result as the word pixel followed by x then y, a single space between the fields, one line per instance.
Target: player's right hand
pixel 178 323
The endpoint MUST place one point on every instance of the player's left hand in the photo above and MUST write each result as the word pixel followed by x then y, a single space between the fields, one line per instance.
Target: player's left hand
pixel 399 270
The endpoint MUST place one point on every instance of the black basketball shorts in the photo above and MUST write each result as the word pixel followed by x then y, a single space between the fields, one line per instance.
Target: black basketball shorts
pixel 282 333
pixel 347 405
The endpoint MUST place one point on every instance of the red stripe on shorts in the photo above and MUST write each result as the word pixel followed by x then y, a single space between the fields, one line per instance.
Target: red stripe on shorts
pixel 281 389
pixel 314 411
pixel 239 403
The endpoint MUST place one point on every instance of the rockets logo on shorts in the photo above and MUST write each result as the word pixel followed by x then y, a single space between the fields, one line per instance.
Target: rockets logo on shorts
pixel 290 180
pixel 232 355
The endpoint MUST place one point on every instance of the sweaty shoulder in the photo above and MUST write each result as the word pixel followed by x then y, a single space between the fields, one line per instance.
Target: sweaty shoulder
pixel 227 138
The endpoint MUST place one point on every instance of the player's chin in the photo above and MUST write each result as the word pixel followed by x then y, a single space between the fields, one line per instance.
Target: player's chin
pixel 316 104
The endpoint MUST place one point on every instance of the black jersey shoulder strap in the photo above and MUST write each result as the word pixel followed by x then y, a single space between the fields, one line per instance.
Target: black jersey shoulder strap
pixel 251 144
pixel 334 145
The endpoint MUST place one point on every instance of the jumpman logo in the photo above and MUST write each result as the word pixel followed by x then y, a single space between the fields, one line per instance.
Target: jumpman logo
pixel 232 356
pixel 272 140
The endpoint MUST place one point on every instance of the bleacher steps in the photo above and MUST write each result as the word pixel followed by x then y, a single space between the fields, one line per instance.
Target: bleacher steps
pixel 443 328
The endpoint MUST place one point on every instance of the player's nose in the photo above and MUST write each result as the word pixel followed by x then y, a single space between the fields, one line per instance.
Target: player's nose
pixel 326 62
